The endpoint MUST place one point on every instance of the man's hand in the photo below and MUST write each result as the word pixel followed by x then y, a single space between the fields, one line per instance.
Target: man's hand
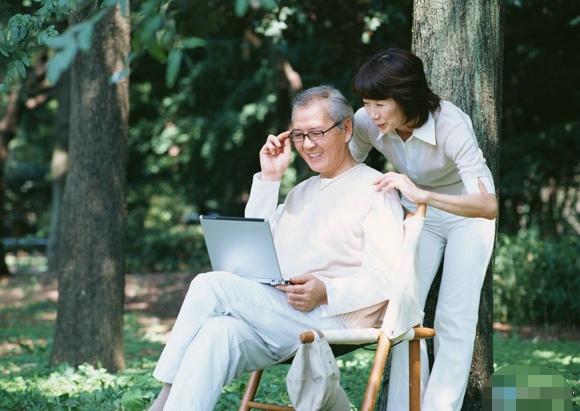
pixel 306 292
pixel 275 156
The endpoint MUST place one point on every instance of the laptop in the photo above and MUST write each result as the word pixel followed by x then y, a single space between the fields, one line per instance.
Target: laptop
pixel 243 246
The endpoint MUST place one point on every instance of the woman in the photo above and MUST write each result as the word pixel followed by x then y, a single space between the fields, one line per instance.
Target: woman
pixel 432 145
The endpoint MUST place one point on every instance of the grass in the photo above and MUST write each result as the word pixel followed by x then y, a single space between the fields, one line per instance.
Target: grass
pixel 28 311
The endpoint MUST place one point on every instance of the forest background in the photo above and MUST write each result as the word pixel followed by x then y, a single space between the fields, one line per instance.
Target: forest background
pixel 209 80
pixel 217 80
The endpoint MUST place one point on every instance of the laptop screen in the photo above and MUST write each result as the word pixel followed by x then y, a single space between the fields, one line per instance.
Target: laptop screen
pixel 243 246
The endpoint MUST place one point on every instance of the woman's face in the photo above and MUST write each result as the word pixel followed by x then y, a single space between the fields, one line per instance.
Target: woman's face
pixel 387 115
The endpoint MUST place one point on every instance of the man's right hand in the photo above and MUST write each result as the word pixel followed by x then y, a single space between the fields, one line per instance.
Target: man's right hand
pixel 305 293
pixel 275 156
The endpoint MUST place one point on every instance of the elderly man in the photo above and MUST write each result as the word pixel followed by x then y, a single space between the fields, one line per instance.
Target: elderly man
pixel 338 242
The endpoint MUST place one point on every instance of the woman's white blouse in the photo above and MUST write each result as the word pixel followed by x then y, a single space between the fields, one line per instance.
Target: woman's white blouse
pixel 441 156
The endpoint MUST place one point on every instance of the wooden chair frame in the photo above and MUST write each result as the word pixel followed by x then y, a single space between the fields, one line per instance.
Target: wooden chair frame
pixel 374 381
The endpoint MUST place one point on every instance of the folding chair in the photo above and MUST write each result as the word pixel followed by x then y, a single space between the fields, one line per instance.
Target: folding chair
pixel 343 341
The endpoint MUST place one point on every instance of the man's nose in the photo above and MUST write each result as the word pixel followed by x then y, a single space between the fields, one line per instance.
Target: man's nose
pixel 308 142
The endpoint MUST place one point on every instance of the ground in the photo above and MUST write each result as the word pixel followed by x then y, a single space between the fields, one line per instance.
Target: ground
pixel 157 298
pixel 153 300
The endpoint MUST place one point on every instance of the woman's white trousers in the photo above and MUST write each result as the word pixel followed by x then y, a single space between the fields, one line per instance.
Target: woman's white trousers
pixel 466 245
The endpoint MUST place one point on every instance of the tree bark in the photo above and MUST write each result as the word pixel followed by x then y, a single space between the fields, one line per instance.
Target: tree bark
pixel 461 45
pixel 89 326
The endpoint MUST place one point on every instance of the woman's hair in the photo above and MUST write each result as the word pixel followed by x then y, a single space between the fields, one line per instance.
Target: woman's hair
pixel 339 109
pixel 397 74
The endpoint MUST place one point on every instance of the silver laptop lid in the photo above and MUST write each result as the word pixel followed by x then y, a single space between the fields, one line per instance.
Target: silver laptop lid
pixel 243 246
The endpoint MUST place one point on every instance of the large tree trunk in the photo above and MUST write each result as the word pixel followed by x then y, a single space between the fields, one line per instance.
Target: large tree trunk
pixel 461 45
pixel 89 326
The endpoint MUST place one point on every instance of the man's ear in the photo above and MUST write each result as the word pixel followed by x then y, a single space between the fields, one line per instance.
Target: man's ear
pixel 348 128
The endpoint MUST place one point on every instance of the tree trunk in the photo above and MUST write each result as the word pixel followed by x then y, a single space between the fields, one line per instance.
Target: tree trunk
pixel 461 45
pixel 58 168
pixel 89 326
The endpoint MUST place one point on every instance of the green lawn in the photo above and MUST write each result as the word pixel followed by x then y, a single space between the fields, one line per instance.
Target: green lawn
pixel 27 313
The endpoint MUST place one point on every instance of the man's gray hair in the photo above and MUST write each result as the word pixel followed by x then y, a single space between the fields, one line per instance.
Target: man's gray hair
pixel 339 109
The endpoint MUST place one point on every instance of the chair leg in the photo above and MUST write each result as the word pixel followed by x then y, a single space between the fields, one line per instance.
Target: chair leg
pixel 414 375
pixel 251 389
pixel 376 374
pixel 248 402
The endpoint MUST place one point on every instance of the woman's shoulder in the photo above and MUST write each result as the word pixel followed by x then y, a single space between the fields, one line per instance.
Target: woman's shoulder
pixel 450 112
pixel 451 118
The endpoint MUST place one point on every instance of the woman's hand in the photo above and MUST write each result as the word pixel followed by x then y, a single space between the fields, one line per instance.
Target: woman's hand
pixel 306 292
pixel 275 156
pixel 483 205
pixel 401 182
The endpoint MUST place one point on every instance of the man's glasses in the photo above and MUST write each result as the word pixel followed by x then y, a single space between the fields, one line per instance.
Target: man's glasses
pixel 297 136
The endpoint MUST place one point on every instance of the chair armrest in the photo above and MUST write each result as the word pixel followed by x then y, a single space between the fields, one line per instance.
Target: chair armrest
pixel 349 337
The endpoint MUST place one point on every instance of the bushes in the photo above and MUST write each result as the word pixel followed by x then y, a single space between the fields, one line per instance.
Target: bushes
pixel 537 281
pixel 157 249
pixel 158 238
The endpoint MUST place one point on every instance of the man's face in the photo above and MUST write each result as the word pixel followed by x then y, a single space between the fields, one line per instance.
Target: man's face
pixel 328 156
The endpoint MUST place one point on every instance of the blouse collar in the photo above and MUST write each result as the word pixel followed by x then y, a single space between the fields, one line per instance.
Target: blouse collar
pixel 424 133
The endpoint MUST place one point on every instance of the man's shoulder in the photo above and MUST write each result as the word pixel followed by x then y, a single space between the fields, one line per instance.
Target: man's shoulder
pixel 359 181
pixel 364 171
pixel 360 174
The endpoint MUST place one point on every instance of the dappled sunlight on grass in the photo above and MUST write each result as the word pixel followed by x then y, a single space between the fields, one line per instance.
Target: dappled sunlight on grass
pixel 27 381
pixel 361 359
pixel 26 263
pixel 81 388
pixel 16 346
pixel 561 356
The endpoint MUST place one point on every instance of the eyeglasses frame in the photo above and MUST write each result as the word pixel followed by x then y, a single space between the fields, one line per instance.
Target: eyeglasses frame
pixel 304 135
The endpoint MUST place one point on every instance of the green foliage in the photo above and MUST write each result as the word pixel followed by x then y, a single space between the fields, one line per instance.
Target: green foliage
pixel 132 400
pixel 29 34
pixel 24 35
pixel 242 6
pixel 203 99
pixel 157 238
pixel 155 33
pixel 77 38
pixel 198 141
pixel 536 281
pixel 159 250
pixel 560 356
pixel 539 164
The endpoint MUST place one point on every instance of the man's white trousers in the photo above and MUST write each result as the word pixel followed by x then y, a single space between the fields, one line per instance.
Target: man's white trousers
pixel 227 326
